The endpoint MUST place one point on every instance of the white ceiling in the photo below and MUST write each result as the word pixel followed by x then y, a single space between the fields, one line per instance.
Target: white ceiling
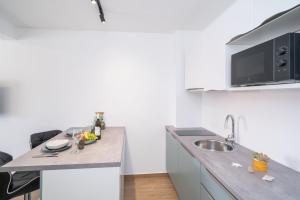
pixel 121 15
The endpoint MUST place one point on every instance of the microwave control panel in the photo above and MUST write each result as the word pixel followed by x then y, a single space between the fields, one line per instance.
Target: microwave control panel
pixel 287 57
pixel 282 58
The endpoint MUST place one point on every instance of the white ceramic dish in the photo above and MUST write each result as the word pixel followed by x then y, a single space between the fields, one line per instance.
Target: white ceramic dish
pixel 57 144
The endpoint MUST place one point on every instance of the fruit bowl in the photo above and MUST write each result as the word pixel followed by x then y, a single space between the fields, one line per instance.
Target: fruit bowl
pixel 89 138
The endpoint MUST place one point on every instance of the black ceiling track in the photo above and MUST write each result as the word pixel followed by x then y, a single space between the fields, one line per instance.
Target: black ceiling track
pixel 102 18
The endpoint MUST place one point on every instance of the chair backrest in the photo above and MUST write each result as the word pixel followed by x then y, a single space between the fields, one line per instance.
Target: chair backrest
pixel 4 176
pixel 4 158
pixel 38 138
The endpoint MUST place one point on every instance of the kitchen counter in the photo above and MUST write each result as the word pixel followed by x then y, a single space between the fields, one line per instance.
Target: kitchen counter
pixel 106 152
pixel 238 181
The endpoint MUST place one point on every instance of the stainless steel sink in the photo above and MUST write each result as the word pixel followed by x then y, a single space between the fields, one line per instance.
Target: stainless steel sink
pixel 194 132
pixel 213 145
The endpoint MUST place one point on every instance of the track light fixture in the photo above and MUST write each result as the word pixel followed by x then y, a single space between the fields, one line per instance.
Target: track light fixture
pixel 97 2
pixel 102 18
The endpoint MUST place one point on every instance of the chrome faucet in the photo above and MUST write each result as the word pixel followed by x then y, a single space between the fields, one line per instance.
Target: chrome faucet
pixel 230 138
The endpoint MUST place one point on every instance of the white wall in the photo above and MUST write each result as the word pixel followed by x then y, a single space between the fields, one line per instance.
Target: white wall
pixel 270 117
pixel 269 121
pixel 58 79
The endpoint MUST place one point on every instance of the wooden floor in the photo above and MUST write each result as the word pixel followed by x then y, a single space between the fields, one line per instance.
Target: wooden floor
pixel 149 187
pixel 143 187
pixel 35 196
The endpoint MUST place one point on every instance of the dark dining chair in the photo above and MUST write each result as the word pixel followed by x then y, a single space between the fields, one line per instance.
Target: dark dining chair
pixel 38 138
pixel 18 183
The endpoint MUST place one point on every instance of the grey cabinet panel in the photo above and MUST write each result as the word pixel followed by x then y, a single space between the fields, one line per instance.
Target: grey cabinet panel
pixel 183 169
pixel 172 148
pixel 213 187
pixel 191 180
pixel 205 195
pixel 189 174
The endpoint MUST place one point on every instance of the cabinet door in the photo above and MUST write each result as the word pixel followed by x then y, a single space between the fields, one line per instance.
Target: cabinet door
pixel 205 195
pixel 172 159
pixel 194 74
pixel 213 187
pixel 189 174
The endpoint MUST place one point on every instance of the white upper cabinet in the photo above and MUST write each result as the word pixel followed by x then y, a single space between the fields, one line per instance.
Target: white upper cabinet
pixel 208 59
pixel 262 10
pixel 194 71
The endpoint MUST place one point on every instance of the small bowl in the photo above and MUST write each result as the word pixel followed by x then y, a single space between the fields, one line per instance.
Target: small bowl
pixel 260 166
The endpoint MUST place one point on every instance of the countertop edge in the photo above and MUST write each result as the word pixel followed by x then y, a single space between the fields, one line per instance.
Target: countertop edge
pixel 60 167
pixel 107 164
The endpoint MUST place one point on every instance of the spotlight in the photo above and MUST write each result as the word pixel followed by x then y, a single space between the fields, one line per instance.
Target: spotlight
pixel 102 19
pixel 94 2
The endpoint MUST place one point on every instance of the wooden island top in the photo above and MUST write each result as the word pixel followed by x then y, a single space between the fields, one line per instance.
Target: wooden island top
pixel 106 152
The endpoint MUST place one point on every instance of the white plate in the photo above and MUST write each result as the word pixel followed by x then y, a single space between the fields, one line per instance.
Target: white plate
pixel 57 144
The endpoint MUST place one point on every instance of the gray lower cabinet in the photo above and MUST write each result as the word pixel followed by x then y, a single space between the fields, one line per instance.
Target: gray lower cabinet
pixel 205 195
pixel 213 188
pixel 189 174
pixel 191 180
pixel 183 169
pixel 172 148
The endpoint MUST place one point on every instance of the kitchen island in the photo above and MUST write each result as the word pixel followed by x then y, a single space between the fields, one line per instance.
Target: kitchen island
pixel 96 172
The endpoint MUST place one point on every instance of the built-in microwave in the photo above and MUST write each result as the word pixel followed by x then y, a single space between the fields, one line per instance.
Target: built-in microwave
pixel 273 62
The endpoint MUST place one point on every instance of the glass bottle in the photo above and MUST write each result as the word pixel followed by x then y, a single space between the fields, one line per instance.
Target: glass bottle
pixel 98 126
pixel 102 120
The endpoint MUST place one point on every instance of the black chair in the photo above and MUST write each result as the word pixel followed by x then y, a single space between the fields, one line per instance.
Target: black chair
pixel 38 138
pixel 18 183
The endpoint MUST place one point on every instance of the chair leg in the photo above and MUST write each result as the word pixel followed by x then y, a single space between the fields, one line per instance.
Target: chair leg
pixel 27 196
